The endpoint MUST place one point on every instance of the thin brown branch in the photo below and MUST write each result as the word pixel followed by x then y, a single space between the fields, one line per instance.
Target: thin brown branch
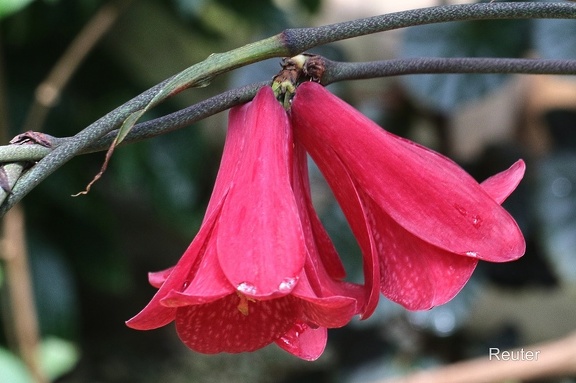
pixel 24 320
pixel 547 360
pixel 48 92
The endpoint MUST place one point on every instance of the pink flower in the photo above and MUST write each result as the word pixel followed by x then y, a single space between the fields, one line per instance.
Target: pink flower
pixel 421 221
pixel 261 268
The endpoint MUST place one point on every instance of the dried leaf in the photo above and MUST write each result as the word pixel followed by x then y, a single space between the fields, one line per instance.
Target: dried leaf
pixel 122 133
pixel 31 137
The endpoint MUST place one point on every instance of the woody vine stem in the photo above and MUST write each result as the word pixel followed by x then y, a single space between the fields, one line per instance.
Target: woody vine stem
pixel 100 134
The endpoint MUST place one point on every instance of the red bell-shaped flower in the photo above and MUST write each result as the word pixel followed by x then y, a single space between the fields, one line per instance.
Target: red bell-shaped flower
pixel 261 268
pixel 421 221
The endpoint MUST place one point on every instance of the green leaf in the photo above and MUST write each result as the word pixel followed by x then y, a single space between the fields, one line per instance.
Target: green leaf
pixel 8 7
pixel 127 126
pixel 57 357
pixel 199 75
pixel 488 38
pixel 12 369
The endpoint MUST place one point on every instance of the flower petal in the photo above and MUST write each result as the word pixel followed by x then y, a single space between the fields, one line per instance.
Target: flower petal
pixel 345 192
pixel 304 341
pixel 423 191
pixel 330 312
pixel 220 326
pixel 208 283
pixel 260 244
pixel 325 302
pixel 317 238
pixel 413 272
pixel 157 278
pixel 418 275
pixel 501 185
pixel 231 154
pixel 155 314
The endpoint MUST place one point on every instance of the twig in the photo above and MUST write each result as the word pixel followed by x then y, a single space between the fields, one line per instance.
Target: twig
pixel 182 118
pixel 340 71
pixel 547 360
pixel 20 153
pixel 288 43
pixel 335 71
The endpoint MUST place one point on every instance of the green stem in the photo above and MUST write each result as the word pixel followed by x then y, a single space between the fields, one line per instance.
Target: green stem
pixel 294 41
pixel 335 71
pixel 201 74
pixel 18 153
pixel 340 71
pixel 182 118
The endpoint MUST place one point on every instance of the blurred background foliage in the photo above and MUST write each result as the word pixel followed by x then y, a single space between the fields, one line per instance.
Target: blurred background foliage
pixel 89 255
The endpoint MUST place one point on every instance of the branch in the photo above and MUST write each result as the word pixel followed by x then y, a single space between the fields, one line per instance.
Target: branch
pixel 554 359
pixel 23 153
pixel 182 118
pixel 335 72
pixel 288 43
pixel 299 40
pixel 340 71
pixel 294 41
